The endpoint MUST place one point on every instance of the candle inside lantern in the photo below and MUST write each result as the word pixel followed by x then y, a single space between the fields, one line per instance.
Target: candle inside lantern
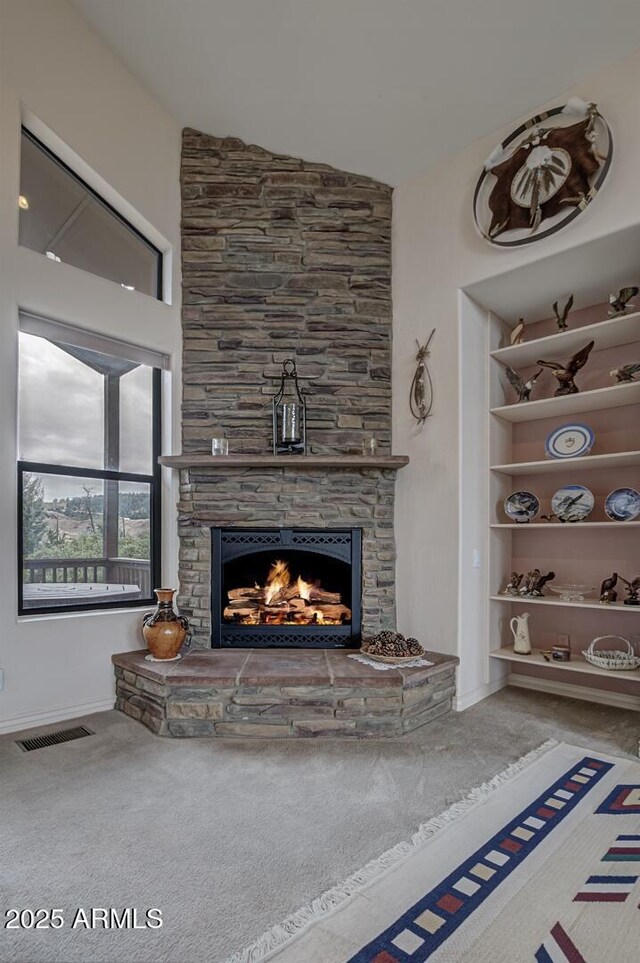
pixel 291 433
pixel 289 416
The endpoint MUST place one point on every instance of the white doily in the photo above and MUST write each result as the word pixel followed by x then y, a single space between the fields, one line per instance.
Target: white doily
pixel 383 666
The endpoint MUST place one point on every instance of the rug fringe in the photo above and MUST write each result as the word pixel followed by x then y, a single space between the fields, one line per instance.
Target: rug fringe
pixel 277 936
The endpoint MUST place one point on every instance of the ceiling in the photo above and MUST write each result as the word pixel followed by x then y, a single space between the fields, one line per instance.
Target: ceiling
pixel 381 87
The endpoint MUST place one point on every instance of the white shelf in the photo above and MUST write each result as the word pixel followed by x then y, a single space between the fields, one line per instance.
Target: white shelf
pixel 598 399
pixel 559 603
pixel 577 664
pixel 607 334
pixel 562 527
pixel 618 459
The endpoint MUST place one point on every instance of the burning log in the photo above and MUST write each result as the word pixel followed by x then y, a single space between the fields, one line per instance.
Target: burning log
pixel 246 593
pixel 239 613
pixel 331 613
pixel 284 600
pixel 317 594
pixel 283 595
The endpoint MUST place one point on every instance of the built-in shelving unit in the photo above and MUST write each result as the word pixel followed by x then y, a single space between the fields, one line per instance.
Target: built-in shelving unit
pixel 585 552
pixel 618 459
pixel 598 399
pixel 557 602
pixel 577 664
pixel 606 334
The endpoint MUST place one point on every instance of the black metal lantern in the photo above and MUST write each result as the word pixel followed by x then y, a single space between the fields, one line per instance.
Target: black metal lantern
pixel 289 414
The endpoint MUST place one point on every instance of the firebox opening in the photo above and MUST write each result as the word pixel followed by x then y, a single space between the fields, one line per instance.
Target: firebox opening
pixel 286 587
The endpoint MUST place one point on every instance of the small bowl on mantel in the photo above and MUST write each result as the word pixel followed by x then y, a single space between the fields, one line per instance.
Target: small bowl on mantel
pixel 573 592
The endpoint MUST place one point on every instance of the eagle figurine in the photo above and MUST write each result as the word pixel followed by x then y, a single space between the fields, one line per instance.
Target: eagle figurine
pixel 522 387
pixel 565 373
pixel 618 303
pixel 632 588
pixel 607 589
pixel 561 316
pixel 626 374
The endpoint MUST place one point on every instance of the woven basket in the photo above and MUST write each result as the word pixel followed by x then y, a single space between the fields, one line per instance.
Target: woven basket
pixel 614 659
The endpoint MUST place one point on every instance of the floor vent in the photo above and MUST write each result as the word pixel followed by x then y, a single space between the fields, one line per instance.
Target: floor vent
pixel 53 738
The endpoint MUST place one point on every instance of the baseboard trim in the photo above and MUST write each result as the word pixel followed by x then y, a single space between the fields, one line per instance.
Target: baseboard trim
pixel 621 700
pixel 462 702
pixel 32 719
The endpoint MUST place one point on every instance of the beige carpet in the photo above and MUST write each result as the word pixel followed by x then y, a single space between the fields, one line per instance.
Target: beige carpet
pixel 226 837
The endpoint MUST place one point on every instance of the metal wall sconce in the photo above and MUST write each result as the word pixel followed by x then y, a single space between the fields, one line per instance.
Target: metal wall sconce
pixel 289 414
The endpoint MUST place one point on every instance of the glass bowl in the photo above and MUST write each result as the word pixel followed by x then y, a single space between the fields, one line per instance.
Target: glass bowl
pixel 572 592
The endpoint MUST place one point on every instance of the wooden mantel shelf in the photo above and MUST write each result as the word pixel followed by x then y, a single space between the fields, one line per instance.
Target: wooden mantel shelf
pixel 300 462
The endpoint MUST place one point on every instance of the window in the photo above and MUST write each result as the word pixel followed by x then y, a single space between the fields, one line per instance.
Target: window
pixel 64 219
pixel 88 478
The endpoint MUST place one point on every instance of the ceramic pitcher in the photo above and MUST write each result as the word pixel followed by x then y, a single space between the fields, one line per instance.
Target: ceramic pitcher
pixel 520 629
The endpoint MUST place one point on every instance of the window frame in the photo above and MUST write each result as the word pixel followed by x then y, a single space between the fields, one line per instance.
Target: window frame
pixel 159 295
pixel 153 480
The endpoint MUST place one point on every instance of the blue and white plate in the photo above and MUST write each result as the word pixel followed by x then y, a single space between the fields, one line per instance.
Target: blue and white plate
pixel 572 503
pixel 569 441
pixel 521 506
pixel 622 504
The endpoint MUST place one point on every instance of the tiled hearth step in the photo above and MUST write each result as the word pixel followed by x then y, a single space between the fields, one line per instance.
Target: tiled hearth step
pixel 280 693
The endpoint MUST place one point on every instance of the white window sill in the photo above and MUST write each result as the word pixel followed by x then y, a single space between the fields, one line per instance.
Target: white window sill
pixel 42 616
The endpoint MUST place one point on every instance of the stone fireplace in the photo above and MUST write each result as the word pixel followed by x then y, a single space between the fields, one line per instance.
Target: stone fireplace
pixel 283 258
pixel 320 496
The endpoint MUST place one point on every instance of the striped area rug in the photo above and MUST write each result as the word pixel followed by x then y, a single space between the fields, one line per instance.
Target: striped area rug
pixel 541 864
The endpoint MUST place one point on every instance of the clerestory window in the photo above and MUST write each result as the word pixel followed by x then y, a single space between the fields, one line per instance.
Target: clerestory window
pixel 64 219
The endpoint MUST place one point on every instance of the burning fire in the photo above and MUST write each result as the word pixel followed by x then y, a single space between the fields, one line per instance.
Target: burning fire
pixel 278 580
pixel 284 600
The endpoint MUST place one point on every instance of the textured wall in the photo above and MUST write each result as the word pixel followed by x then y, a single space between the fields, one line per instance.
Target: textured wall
pixel 283 258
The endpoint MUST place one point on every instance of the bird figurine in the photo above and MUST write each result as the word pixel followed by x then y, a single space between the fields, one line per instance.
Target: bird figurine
pixel 607 589
pixel 561 316
pixel 522 387
pixel 513 584
pixel 564 373
pixel 542 581
pixel 517 333
pixel 618 303
pixel 626 374
pixel 534 582
pixel 632 588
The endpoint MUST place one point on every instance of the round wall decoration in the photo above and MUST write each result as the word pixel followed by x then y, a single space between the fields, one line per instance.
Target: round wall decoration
pixel 543 175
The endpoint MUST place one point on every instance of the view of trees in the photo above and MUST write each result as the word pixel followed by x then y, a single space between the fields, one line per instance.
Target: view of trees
pixel 34 519
pixel 73 527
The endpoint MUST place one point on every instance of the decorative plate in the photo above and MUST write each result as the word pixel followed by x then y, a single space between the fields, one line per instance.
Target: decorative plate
pixel 622 504
pixel 521 506
pixel 569 441
pixel 543 175
pixel 572 503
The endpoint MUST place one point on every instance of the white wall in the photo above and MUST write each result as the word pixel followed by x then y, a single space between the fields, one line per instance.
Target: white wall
pixel 436 252
pixel 54 67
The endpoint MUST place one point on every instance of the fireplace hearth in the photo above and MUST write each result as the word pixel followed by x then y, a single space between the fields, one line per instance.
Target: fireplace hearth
pixel 286 587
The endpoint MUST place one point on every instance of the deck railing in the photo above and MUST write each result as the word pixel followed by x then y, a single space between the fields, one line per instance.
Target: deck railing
pixel 125 571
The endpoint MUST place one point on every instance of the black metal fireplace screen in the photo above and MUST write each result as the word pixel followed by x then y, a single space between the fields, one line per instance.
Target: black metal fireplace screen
pixel 286 587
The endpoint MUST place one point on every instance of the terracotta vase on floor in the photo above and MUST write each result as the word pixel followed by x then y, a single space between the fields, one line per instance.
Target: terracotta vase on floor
pixel 164 630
